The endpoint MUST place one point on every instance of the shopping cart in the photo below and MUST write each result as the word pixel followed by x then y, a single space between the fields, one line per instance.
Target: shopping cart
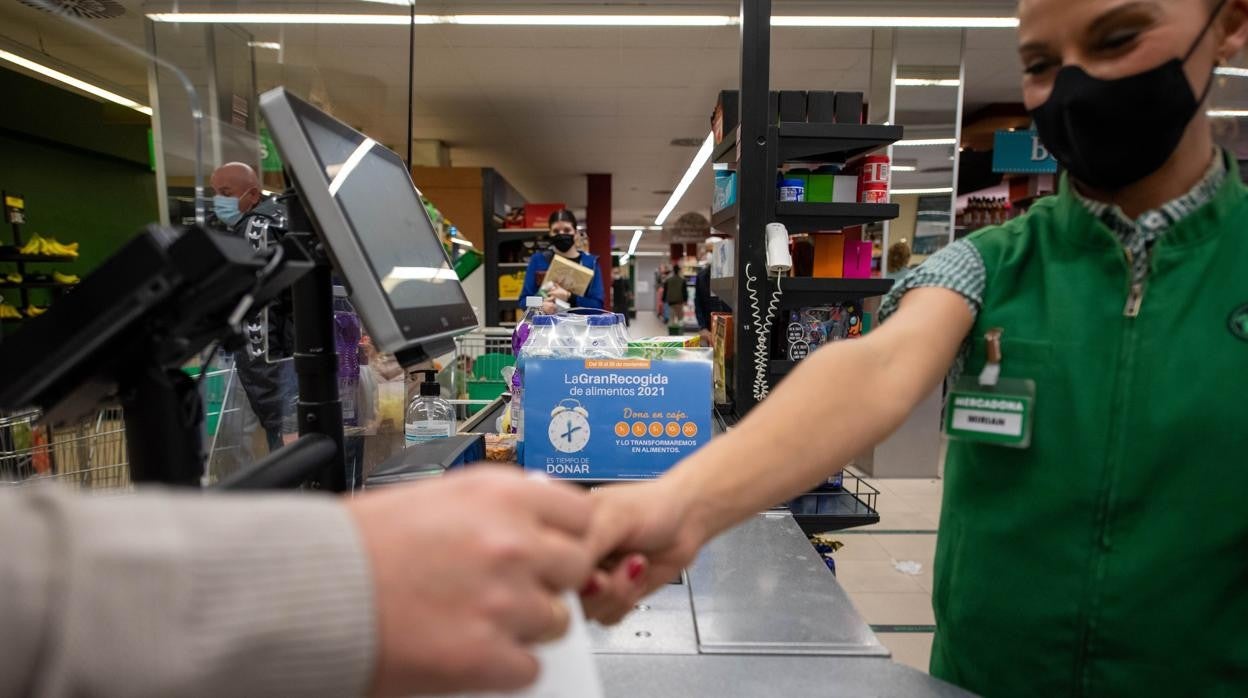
pixel 90 454
pixel 477 369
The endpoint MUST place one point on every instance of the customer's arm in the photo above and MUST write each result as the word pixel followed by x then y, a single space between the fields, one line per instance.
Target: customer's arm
pixel 841 400
pixel 428 589
pixel 163 594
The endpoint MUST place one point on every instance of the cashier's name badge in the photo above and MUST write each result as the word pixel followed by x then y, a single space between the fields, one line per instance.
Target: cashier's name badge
pixel 989 409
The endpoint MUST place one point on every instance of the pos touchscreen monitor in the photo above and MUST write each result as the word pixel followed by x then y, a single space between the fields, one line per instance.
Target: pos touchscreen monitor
pixel 361 200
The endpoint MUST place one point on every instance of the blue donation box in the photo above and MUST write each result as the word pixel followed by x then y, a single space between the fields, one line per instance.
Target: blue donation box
pixel 614 419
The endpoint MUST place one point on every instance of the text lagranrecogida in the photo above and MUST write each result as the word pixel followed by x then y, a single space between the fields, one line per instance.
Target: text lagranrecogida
pixel 637 379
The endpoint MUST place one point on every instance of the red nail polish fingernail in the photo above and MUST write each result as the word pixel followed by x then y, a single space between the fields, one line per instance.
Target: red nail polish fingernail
pixel 635 568
pixel 590 588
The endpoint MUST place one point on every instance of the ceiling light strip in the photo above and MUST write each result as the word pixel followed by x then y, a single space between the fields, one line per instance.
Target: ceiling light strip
pixel 577 20
pixel 933 190
pixel 74 82
pixel 632 246
pixel 286 18
pixel 1231 72
pixel 702 157
pixel 1227 113
pixel 921 142
pixel 898 22
pixel 925 82
pixel 594 20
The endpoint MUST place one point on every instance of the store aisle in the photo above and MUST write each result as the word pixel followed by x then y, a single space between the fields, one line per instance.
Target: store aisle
pixel 646 324
pixel 897 603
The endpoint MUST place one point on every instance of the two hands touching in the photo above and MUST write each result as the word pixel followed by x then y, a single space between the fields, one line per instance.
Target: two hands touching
pixel 555 292
pixel 468 571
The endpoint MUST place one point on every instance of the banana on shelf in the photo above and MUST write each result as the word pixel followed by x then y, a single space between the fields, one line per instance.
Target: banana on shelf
pixel 39 245
pixel 8 312
pixel 13 277
pixel 66 279
pixel 35 310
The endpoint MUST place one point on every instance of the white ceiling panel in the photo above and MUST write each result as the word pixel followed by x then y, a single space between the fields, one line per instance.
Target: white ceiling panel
pixel 543 105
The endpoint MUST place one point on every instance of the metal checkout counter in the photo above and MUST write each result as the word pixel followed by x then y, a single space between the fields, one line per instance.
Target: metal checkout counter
pixel 758 614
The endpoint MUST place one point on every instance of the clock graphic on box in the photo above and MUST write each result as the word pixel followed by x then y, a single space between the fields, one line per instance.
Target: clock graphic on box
pixel 569 427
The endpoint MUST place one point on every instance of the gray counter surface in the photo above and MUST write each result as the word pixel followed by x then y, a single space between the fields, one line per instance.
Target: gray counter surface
pixel 757 614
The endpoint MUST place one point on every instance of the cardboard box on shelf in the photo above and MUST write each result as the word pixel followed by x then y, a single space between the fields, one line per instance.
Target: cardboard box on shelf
pixel 510 285
pixel 614 419
pixel 857 259
pixel 849 107
pixel 726 115
pixel 792 105
pixel 538 215
pixel 829 255
pixel 821 107
pixel 845 189
pixel 722 344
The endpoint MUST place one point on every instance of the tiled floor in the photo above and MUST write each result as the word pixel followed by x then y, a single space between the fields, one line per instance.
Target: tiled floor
pixel 898 604
pixel 646 324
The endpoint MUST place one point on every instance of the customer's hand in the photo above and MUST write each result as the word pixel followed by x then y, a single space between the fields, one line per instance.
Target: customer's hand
pixel 560 293
pixel 467 572
pixel 648 534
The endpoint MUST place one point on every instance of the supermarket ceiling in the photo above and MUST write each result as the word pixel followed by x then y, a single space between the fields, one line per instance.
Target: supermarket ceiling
pixel 544 105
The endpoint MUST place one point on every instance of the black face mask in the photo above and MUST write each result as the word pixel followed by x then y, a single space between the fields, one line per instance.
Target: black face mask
pixel 563 243
pixel 1110 134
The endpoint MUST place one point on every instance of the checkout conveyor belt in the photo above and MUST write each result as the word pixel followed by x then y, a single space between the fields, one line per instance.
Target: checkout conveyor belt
pixel 757 614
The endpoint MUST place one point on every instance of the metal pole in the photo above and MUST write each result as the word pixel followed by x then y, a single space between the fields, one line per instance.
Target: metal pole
pixel 756 192
pixel 411 93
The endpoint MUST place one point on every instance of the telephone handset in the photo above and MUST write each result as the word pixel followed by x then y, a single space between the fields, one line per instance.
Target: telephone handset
pixel 779 262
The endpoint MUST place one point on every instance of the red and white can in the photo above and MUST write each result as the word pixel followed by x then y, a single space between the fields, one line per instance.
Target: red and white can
pixel 873 180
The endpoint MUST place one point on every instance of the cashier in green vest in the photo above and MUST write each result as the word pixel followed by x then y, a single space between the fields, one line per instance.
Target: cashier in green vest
pixel 1109 557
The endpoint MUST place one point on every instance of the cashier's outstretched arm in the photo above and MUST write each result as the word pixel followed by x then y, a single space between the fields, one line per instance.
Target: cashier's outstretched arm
pixel 841 400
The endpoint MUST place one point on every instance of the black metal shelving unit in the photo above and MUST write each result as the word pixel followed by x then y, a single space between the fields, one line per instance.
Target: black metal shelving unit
pixel 15 216
pixel 497 197
pixel 757 149
pixel 760 149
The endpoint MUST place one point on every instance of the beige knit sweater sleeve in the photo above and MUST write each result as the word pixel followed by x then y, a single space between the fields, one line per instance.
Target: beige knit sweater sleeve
pixel 164 594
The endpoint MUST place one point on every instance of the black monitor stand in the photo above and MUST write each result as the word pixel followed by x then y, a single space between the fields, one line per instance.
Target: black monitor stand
pixel 316 356
pixel 164 410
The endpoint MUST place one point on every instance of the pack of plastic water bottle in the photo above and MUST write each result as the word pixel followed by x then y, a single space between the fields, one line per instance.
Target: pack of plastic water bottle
pixel 575 335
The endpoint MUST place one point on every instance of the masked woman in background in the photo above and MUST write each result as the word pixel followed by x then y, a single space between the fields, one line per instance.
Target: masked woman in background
pixel 563 243
pixel 1111 324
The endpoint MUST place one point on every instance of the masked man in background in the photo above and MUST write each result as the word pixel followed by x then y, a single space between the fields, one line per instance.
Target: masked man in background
pixel 266 375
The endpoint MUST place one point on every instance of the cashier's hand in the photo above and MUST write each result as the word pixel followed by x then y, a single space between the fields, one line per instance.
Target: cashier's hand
pixel 467 572
pixel 644 535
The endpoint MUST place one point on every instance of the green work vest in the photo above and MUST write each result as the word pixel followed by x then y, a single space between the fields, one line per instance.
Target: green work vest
pixel 1111 557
